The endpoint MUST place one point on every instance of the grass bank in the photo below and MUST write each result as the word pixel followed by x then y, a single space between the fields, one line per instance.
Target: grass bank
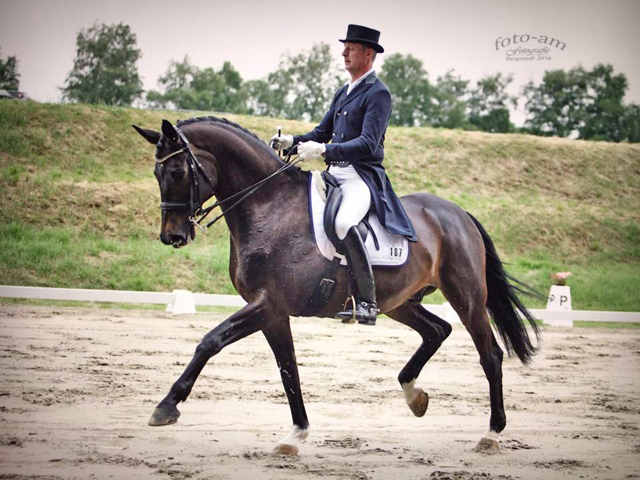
pixel 79 203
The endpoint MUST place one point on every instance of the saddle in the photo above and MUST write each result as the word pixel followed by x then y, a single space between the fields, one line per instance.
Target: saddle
pixel 385 249
pixel 333 196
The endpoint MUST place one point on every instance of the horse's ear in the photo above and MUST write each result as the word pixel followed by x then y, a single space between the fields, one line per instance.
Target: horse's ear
pixel 149 135
pixel 169 131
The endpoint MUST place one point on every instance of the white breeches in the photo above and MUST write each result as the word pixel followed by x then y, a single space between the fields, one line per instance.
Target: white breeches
pixel 356 199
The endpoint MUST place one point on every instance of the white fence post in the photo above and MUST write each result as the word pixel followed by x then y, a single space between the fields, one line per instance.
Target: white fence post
pixel 183 302
pixel 559 301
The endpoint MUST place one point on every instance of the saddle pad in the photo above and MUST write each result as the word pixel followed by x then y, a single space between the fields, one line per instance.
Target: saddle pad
pixel 394 249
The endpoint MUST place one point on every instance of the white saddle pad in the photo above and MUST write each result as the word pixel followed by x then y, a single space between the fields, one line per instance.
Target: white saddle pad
pixel 394 249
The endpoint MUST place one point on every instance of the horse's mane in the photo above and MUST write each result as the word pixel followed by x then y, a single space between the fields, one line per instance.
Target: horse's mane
pixel 234 125
pixel 224 121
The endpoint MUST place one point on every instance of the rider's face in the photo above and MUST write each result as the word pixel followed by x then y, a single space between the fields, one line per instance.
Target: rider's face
pixel 357 59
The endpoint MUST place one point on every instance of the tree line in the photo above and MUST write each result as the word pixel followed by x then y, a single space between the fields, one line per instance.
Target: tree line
pixel 588 104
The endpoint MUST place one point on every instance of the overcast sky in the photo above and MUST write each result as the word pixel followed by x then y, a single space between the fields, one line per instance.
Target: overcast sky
pixel 252 35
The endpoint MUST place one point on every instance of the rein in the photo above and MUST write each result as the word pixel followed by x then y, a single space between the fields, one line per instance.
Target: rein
pixel 198 214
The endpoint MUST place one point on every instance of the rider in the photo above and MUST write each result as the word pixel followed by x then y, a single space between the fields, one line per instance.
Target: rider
pixel 355 125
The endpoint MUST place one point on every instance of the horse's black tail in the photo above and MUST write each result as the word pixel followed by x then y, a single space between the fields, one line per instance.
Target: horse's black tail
pixel 503 303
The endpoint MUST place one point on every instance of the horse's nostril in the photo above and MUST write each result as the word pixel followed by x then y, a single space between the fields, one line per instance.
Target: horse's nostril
pixel 176 239
pixel 172 238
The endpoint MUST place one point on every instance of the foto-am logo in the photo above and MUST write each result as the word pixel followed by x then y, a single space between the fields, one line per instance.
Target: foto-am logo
pixel 515 49
pixel 525 38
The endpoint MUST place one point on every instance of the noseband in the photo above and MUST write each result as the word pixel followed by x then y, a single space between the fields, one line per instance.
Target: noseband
pixel 197 213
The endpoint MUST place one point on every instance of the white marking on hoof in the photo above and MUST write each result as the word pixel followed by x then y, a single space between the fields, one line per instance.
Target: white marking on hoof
pixel 489 444
pixel 410 391
pixel 289 444
pixel 416 398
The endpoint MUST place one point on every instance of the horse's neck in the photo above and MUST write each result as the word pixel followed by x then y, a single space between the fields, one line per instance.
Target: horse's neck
pixel 240 166
pixel 238 169
pixel 258 219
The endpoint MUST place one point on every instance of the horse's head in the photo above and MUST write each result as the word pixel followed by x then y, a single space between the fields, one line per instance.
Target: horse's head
pixel 184 183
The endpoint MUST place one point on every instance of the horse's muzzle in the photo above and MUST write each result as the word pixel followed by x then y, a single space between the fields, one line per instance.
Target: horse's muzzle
pixel 177 240
pixel 172 239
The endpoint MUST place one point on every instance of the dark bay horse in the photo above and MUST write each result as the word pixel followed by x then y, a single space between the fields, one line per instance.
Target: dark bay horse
pixel 277 268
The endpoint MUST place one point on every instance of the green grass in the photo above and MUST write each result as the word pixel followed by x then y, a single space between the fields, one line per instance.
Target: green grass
pixel 612 325
pixel 60 257
pixel 79 204
pixel 598 284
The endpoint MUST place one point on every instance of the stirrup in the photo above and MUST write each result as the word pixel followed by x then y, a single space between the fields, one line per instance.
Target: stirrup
pixel 363 312
pixel 352 318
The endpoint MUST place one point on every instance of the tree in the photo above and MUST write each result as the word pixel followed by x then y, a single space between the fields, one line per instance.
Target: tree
pixel 302 87
pixel 9 76
pixel 604 111
pixel 631 123
pixel 104 70
pixel 188 87
pixel 175 82
pixel 489 104
pixel 233 97
pixel 314 79
pixel 268 97
pixel 449 109
pixel 410 89
pixel 220 91
pixel 556 106
pixel 586 102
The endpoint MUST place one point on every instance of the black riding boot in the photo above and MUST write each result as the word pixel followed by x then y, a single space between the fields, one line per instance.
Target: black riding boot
pixel 362 274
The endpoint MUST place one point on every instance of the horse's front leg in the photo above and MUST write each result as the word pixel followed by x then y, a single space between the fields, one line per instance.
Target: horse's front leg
pixel 278 334
pixel 253 317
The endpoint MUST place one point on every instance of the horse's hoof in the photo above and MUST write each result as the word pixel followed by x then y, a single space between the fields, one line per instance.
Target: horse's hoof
pixel 488 446
pixel 420 403
pixel 164 416
pixel 283 449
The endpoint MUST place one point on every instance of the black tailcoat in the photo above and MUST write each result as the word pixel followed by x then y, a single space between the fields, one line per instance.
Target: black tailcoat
pixel 355 125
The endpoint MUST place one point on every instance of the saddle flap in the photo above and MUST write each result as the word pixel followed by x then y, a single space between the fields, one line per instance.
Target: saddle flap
pixel 334 199
pixel 384 248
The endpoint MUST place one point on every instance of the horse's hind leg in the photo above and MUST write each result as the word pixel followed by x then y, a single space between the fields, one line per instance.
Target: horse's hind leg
pixel 433 331
pixel 473 314
pixel 491 360
pixel 244 322
pixel 280 340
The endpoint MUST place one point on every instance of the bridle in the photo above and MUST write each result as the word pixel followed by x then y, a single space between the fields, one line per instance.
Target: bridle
pixel 194 206
pixel 196 213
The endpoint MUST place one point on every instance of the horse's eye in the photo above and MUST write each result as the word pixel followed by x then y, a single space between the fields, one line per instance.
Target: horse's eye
pixel 177 174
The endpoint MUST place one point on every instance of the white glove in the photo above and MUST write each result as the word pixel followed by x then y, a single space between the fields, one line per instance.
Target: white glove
pixel 281 142
pixel 311 150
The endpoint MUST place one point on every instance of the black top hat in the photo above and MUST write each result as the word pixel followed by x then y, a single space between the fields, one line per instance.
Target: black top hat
pixel 365 36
